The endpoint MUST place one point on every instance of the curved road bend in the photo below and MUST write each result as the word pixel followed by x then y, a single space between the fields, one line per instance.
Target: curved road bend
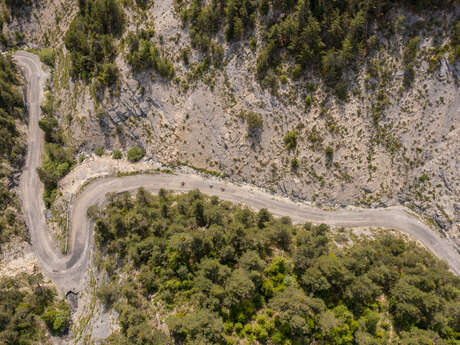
pixel 67 271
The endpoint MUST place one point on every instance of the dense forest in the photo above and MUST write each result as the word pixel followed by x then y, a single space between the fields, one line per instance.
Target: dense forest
pixel 11 149
pixel 90 39
pixel 219 273
pixel 26 306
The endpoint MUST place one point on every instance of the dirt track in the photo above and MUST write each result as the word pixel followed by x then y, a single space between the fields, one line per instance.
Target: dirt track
pixel 68 271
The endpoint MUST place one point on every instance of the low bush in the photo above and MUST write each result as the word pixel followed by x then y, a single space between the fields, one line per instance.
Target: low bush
pixel 254 121
pixel 409 55
pixel 57 318
pixel 329 153
pixel 48 56
pixel 99 151
pixel 117 154
pixel 294 164
pixel 135 154
pixel 143 54
pixel 290 140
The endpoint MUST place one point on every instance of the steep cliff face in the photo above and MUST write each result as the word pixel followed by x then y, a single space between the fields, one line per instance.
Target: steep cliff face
pixel 383 143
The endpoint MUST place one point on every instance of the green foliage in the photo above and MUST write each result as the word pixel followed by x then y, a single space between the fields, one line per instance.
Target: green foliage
pixel 308 100
pixel 290 140
pixel 331 37
pixel 108 294
pixel 50 126
pixel 48 56
pixel 57 160
pixel 199 327
pixel 144 54
pixel 410 50
pixel 135 154
pixel 99 151
pixel 108 74
pixel 11 149
pixel 90 40
pixel 11 109
pixel 409 54
pixel 226 274
pixel 455 40
pixel 57 318
pixel 294 164
pixel 254 121
pixel 329 153
pixel 23 301
pixel 117 154
pixel 143 3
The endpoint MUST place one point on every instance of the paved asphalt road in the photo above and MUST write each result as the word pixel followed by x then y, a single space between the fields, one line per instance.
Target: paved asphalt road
pixel 67 271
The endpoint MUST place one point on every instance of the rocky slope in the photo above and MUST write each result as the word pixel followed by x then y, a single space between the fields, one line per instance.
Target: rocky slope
pixel 342 157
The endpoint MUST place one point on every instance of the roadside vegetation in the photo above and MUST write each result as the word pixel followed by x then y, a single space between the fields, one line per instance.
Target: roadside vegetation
pixel 135 154
pixel 57 159
pixel 12 150
pixel 27 307
pixel 218 273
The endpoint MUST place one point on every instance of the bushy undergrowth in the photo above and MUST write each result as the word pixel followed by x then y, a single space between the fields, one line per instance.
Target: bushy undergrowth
pixel 57 159
pixel 135 154
pixel 90 40
pixel 218 273
pixel 11 149
pixel 26 304
pixel 143 54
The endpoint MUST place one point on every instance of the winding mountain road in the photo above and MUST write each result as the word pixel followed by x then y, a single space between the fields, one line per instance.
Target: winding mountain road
pixel 67 271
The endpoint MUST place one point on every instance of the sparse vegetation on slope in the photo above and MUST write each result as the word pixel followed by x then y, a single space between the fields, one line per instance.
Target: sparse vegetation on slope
pixel 11 150
pixel 143 54
pixel 328 36
pixel 217 273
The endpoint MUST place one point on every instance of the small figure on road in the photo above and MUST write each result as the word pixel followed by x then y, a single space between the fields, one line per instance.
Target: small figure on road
pixel 182 183
pixel 222 189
